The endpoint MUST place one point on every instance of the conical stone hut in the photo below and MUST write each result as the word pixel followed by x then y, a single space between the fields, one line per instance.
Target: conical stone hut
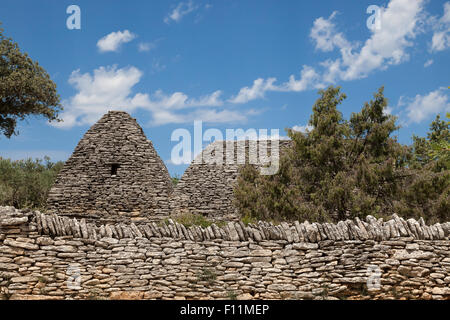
pixel 113 174
pixel 207 185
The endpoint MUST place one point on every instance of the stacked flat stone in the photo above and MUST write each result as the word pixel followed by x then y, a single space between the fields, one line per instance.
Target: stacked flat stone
pixel 40 258
pixel 113 174
pixel 14 221
pixel 206 186
pixel 371 229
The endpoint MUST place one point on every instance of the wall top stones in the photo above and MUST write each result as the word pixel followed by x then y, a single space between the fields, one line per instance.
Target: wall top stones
pixel 296 232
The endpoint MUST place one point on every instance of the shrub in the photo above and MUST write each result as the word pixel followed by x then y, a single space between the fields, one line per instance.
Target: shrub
pixel 175 179
pixel 26 183
pixel 189 219
pixel 207 275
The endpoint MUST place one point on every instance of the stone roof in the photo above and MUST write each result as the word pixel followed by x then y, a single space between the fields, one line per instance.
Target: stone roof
pixel 206 186
pixel 113 173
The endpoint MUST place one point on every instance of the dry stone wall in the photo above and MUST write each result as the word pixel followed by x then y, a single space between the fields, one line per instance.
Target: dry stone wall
pixel 46 256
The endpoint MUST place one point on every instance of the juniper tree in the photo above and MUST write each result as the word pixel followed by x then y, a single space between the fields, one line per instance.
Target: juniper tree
pixel 342 169
pixel 427 193
pixel 435 148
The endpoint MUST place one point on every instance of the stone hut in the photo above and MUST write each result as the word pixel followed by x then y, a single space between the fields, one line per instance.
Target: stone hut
pixel 113 174
pixel 206 186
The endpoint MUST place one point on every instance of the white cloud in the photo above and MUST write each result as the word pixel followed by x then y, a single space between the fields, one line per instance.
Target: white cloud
pixel 148 46
pixel 161 117
pixel 171 109
pixel 422 107
pixel 441 35
pixel 182 9
pixel 145 46
pixel 257 91
pixel 179 100
pixel 107 88
pixel 208 100
pixel 325 36
pixel 110 88
pixel 309 79
pixel 303 129
pixel 114 40
pixel 428 63
pixel 400 23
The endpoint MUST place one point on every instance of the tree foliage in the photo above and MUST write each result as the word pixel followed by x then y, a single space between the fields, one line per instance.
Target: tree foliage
pixel 25 88
pixel 26 183
pixel 350 168
pixel 435 148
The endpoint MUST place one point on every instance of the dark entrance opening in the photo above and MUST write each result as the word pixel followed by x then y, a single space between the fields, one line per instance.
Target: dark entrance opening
pixel 114 168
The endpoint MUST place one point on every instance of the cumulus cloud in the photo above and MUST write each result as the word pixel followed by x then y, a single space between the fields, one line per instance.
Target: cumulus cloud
pixel 259 88
pixel 441 35
pixel 423 107
pixel 114 40
pixel 309 79
pixel 182 9
pixel 110 88
pixel 107 88
pixel 325 36
pixel 179 100
pixel 400 23
pixel 179 108
pixel 208 115
pixel 208 100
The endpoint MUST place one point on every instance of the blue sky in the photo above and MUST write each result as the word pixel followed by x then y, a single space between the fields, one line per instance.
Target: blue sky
pixel 232 64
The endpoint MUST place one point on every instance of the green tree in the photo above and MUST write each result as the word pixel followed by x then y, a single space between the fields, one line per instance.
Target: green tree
pixel 343 169
pixel 440 141
pixel 433 150
pixel 427 192
pixel 25 88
